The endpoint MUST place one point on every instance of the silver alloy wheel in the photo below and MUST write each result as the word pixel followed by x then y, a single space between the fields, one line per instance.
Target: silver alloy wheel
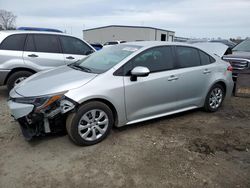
pixel 215 98
pixel 93 124
pixel 17 81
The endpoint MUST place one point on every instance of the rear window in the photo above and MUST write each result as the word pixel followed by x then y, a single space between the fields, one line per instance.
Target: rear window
pixel 187 57
pixel 205 59
pixel 13 42
pixel 212 60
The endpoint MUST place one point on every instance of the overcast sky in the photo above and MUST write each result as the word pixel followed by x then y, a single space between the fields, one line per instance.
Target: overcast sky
pixel 188 18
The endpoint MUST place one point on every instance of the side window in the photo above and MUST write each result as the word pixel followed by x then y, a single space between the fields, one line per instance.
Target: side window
pixel 205 59
pixel 212 60
pixel 13 42
pixel 155 59
pixel 187 57
pixel 72 45
pixel 46 43
pixel 30 45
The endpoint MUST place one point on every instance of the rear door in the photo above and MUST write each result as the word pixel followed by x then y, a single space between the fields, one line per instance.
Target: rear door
pixel 11 51
pixel 193 77
pixel 42 51
pixel 74 49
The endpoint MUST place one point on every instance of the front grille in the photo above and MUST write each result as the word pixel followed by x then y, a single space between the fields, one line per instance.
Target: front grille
pixel 238 63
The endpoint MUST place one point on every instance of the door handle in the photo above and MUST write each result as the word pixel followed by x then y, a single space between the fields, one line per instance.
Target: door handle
pixel 33 55
pixel 70 57
pixel 173 77
pixel 206 71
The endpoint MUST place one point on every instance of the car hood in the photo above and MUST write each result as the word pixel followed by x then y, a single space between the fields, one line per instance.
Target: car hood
pixel 212 47
pixel 238 54
pixel 53 81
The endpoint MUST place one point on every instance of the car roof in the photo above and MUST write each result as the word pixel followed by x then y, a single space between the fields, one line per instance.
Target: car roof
pixel 10 32
pixel 210 48
pixel 6 33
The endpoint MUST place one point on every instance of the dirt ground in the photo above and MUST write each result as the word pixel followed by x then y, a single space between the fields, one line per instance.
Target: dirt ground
pixel 191 149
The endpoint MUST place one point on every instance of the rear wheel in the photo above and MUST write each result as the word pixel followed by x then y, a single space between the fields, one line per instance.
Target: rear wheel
pixel 17 77
pixel 90 124
pixel 214 98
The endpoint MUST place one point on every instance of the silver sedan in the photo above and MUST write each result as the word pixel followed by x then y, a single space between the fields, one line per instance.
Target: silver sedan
pixel 117 86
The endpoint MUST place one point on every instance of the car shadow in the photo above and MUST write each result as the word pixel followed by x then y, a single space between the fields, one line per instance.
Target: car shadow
pixel 48 137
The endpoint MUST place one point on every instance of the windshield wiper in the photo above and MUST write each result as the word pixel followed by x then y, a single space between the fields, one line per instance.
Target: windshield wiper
pixel 78 67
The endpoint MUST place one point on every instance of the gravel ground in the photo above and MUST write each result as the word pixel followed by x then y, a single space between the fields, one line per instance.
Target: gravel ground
pixel 191 149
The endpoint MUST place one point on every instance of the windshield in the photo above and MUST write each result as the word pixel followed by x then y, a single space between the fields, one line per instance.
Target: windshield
pixel 106 58
pixel 243 46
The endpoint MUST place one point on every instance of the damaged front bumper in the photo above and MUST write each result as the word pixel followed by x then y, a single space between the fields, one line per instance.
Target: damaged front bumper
pixel 34 122
pixel 19 110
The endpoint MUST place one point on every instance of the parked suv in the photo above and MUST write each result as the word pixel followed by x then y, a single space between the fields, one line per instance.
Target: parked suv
pixel 23 53
pixel 119 85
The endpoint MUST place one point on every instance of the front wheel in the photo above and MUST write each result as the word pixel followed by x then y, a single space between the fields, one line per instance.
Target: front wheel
pixel 214 98
pixel 90 124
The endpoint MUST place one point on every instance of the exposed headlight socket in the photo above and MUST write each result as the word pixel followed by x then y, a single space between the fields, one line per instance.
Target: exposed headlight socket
pixel 66 106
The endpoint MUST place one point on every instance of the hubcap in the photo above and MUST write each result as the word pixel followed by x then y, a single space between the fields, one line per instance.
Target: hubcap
pixel 215 98
pixel 19 80
pixel 93 124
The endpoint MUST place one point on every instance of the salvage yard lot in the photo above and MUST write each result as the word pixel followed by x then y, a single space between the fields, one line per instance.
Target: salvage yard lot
pixel 191 149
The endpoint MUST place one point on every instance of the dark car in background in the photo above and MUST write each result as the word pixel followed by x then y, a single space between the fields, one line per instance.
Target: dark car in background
pixel 240 58
pixel 97 46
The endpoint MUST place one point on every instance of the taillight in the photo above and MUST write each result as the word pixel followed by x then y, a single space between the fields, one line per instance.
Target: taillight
pixel 230 68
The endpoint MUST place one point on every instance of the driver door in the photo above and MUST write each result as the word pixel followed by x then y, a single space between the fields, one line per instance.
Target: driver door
pixel 155 94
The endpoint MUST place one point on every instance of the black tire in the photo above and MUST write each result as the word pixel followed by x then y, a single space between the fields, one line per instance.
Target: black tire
pixel 74 118
pixel 15 76
pixel 207 105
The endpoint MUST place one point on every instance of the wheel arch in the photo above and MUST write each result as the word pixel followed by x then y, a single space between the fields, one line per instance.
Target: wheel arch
pixel 206 106
pixel 108 103
pixel 222 83
pixel 17 70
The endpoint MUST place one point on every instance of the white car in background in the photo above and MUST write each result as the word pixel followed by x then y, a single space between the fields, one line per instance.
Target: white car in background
pixel 23 53
pixel 110 43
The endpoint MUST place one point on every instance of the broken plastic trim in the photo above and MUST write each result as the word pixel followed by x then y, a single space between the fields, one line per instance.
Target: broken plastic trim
pixel 48 114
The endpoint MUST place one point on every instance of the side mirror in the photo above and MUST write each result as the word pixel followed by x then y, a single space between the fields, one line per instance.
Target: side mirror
pixel 139 72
